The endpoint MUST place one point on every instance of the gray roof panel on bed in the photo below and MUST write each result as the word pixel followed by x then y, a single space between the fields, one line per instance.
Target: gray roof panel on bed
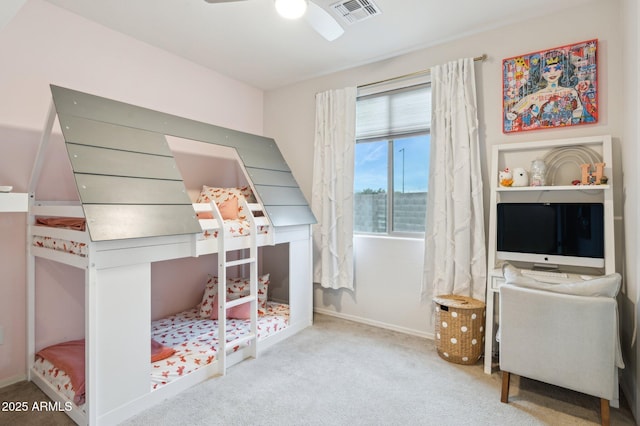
pixel 124 167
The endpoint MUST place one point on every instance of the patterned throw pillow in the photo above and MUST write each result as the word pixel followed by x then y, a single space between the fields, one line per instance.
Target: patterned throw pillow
pixel 247 193
pixel 239 287
pixel 222 195
pixel 263 287
pixel 210 292
pixel 236 287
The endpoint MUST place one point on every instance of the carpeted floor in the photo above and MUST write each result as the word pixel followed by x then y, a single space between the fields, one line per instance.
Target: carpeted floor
pixel 344 373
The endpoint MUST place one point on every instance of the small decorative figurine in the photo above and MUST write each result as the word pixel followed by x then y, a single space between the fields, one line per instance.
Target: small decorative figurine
pixel 538 171
pixel 584 180
pixel 599 171
pixel 520 177
pixel 590 177
pixel 505 177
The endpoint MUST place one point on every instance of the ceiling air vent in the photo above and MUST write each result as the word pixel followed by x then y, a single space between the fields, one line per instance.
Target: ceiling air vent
pixel 352 11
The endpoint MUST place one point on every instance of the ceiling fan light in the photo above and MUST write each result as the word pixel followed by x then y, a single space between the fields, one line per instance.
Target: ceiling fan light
pixel 291 9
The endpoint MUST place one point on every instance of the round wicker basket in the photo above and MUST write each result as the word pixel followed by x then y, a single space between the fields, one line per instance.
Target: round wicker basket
pixel 459 328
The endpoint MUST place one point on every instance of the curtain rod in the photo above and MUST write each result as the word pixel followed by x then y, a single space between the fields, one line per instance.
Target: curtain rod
pixel 413 74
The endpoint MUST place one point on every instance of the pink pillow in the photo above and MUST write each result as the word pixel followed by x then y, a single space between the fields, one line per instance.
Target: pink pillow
pixel 237 312
pixel 229 209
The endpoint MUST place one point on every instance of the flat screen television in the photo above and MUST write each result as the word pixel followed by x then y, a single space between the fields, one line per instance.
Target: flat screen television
pixel 551 233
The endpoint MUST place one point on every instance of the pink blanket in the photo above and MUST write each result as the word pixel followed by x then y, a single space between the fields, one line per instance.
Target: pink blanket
pixel 160 352
pixel 77 224
pixel 69 356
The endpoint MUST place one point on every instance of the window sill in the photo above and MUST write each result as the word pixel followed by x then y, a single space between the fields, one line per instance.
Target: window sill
pixel 398 236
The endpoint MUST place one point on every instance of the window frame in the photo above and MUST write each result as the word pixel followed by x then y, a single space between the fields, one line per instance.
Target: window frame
pixel 389 232
pixel 397 85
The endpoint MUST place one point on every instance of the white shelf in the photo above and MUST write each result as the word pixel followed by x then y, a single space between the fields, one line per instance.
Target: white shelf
pixel 13 202
pixel 519 155
pixel 553 188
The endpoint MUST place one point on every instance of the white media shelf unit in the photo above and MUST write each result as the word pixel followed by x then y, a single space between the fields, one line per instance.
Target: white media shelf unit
pixel 559 189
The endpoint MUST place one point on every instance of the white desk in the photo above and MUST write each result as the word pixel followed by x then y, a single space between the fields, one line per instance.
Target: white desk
pixel 494 281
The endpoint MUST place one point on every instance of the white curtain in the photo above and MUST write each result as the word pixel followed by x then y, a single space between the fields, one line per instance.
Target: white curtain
pixel 332 192
pixel 455 255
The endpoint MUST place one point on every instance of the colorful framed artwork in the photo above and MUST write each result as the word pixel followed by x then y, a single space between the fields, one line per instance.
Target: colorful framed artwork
pixel 551 88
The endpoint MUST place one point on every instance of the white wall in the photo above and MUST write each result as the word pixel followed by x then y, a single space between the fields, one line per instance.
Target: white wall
pixel 388 276
pixel 44 45
pixel 289 118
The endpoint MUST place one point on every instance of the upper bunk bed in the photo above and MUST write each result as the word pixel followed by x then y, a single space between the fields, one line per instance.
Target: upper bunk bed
pixel 131 189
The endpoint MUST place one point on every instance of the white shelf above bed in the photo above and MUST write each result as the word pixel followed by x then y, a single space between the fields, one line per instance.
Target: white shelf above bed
pixel 14 202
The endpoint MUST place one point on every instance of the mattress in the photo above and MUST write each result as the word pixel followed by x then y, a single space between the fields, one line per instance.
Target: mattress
pixel 195 340
pixel 233 228
pixel 71 247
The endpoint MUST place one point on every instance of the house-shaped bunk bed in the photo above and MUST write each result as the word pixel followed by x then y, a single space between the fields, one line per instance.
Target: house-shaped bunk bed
pixel 139 204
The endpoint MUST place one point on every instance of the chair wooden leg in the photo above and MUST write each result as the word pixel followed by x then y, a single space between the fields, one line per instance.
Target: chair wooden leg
pixel 504 396
pixel 604 411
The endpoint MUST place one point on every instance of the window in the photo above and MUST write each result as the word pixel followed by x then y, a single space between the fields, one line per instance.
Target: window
pixel 392 161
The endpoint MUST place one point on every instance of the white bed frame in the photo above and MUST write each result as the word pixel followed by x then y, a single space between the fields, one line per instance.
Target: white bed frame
pixel 114 268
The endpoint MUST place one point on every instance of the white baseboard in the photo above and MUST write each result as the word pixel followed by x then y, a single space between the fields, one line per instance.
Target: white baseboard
pixel 374 323
pixel 11 380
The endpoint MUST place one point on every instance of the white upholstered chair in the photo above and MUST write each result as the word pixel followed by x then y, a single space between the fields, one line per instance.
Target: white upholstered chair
pixel 567 340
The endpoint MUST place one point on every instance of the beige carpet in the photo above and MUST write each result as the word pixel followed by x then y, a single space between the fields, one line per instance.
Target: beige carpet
pixel 343 373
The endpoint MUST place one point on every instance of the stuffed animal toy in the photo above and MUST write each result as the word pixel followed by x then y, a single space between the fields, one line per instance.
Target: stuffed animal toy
pixel 505 177
pixel 520 177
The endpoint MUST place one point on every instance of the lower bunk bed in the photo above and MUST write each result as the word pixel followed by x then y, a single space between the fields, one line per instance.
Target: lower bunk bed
pixel 181 345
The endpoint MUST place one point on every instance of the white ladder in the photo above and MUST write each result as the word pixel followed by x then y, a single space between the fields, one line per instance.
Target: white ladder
pixel 252 260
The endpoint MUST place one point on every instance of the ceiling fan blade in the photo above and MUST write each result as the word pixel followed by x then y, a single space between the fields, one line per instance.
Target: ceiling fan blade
pixel 222 1
pixel 323 22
